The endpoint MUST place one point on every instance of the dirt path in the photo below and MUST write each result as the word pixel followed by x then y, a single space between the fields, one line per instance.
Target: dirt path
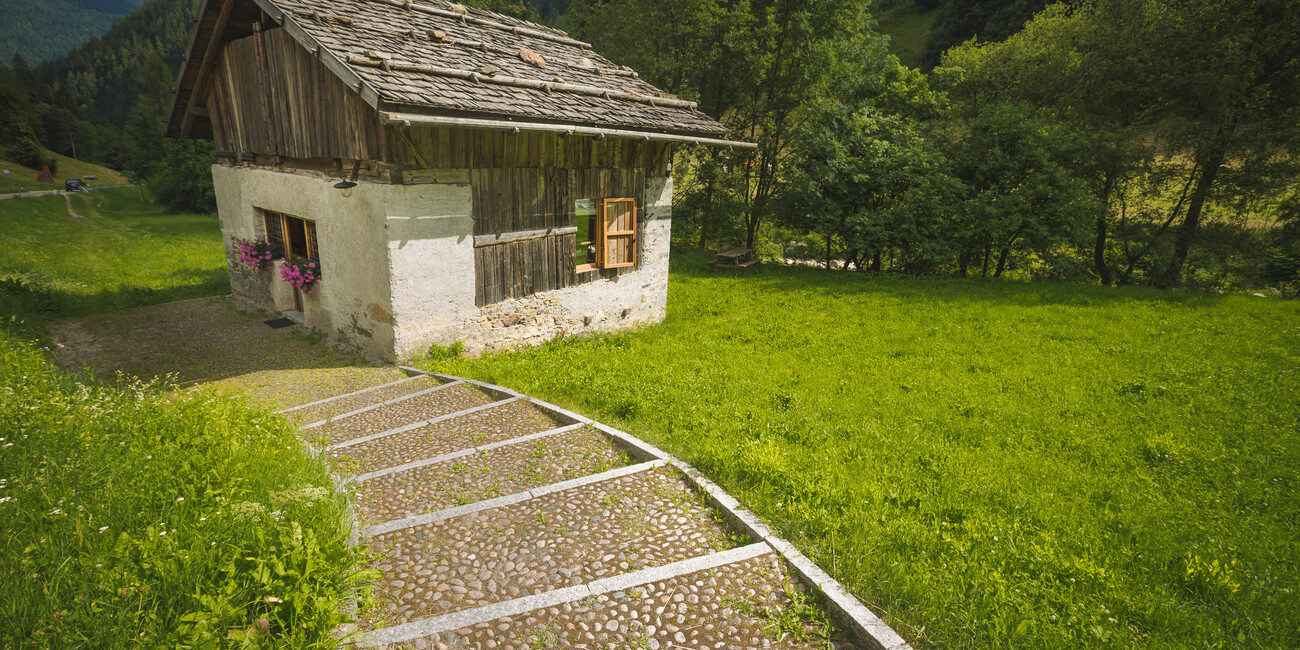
pixel 207 341
pixel 72 213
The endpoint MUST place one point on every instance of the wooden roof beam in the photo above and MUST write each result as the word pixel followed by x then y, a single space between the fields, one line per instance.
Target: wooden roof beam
pixel 205 67
pixel 406 119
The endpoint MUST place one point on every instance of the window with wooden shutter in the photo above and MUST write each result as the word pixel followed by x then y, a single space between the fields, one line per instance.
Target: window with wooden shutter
pixel 617 226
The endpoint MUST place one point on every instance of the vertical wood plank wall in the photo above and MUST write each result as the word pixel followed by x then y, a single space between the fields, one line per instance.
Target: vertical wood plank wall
pixel 270 96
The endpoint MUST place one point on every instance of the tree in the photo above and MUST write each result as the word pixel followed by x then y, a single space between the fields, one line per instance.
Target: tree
pixel 1188 101
pixel 1024 194
pixel 874 182
pixel 182 181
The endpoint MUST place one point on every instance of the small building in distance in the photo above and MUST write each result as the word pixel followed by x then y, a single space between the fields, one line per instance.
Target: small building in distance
pixel 511 185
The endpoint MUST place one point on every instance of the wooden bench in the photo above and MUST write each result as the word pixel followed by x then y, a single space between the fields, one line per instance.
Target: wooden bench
pixel 736 258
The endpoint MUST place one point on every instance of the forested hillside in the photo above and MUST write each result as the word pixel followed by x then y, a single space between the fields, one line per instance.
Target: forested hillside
pixel 42 30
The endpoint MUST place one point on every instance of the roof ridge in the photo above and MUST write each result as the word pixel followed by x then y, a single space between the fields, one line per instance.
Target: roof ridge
pixel 387 64
pixel 553 36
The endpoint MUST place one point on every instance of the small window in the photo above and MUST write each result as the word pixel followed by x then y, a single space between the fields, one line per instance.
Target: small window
pixel 606 237
pixel 294 235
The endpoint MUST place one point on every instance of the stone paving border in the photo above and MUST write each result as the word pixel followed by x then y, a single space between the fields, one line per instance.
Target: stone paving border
pixel 327 400
pixel 423 423
pixel 508 500
pixel 380 405
pixel 487 613
pixel 862 624
pixel 461 454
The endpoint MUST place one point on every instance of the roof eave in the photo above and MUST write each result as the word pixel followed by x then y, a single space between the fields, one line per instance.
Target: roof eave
pixel 517 126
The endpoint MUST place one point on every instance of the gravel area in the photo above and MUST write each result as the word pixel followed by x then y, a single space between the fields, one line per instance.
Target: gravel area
pixel 208 342
pixel 399 414
pixel 566 538
pixel 485 475
pixel 734 607
pixel 351 403
pixel 503 422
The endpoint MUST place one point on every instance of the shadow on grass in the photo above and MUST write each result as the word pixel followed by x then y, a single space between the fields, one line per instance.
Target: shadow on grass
pixel 838 284
pixel 35 297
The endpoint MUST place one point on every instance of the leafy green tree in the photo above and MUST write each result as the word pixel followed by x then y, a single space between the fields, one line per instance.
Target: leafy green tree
pixel 1189 102
pixel 1024 193
pixel 875 183
pixel 182 180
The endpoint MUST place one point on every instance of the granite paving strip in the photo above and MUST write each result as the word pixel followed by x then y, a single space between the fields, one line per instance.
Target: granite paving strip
pixel 340 404
pixel 509 420
pixel 484 475
pixel 562 539
pixel 409 410
pixel 739 605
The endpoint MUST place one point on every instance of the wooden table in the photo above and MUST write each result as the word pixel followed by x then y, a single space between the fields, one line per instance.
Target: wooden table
pixel 736 258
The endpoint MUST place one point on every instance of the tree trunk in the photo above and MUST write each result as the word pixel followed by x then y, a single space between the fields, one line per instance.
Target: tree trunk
pixel 1187 231
pixel 1002 262
pixel 988 252
pixel 1103 222
pixel 706 214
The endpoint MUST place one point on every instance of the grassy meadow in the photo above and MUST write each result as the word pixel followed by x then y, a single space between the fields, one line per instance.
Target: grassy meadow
pixel 136 515
pixel 988 464
pixel 124 253
pixel 24 178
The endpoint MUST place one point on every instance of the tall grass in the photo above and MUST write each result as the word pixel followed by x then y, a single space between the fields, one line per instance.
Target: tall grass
pixel 131 518
pixel 990 464
pixel 125 253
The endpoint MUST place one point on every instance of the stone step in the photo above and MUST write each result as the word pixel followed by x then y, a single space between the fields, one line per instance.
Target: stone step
pixel 750 602
pixel 402 411
pixel 494 422
pixel 336 406
pixel 436 566
pixel 485 472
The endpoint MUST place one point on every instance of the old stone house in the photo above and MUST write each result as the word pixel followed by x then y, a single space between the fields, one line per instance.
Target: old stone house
pixel 455 174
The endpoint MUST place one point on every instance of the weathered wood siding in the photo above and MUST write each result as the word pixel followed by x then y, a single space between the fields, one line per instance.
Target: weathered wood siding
pixel 443 148
pixel 520 269
pixel 270 96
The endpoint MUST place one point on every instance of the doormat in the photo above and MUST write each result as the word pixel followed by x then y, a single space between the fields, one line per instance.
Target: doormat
pixel 279 322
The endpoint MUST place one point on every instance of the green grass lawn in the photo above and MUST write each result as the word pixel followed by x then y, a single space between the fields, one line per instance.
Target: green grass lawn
pixel 134 515
pixel 125 253
pixel 24 178
pixel 908 32
pixel 989 464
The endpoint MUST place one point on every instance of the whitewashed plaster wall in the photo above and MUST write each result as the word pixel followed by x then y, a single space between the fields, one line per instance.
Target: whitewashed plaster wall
pixel 353 302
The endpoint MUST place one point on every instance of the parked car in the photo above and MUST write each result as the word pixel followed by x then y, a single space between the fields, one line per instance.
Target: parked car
pixel 75 185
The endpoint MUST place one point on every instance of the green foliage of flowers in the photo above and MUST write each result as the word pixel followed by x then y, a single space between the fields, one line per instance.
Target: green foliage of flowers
pixel 134 518
pixel 990 464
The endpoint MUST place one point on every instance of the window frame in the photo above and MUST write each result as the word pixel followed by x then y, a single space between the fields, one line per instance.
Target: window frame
pixel 603 235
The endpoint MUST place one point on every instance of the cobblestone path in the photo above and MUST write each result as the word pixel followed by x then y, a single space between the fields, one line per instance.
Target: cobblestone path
pixel 499 521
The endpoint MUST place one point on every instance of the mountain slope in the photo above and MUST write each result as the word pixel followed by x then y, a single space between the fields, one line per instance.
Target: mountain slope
pixel 42 30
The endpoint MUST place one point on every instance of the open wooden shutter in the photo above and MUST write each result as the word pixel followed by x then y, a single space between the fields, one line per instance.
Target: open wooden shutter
pixel 617 232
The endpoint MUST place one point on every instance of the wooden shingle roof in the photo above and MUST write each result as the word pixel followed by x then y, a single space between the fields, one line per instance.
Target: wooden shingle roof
pixel 414 58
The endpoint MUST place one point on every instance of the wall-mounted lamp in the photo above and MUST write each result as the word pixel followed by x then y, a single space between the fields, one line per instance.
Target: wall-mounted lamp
pixel 345 185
